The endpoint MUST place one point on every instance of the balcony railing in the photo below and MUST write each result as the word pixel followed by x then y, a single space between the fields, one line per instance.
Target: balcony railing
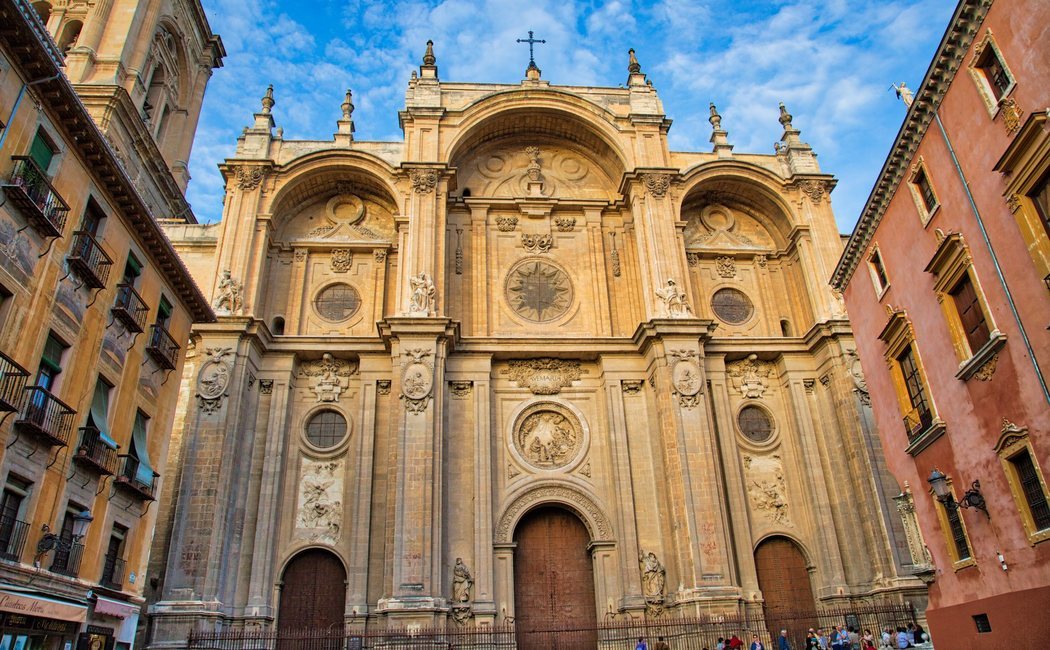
pixel 67 561
pixel 94 453
pixel 88 260
pixel 29 188
pixel 917 421
pixel 13 378
pixel 113 573
pixel 130 308
pixel 46 416
pixel 13 533
pixel 163 348
pixel 128 477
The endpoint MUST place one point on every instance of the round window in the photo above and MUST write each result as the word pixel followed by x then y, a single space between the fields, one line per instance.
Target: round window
pixel 755 423
pixel 326 429
pixel 732 306
pixel 337 302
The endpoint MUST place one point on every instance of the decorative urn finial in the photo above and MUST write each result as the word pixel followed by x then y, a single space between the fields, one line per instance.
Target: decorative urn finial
pixel 267 100
pixel 348 105
pixel 428 56
pixel 785 117
pixel 715 119
pixel 632 63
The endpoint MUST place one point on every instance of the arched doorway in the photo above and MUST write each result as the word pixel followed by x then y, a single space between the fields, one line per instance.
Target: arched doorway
pixel 553 582
pixel 313 595
pixel 784 581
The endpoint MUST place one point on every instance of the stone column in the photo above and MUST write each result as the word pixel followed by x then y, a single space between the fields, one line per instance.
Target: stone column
pixel 359 495
pixel 624 492
pixel 656 236
pixel 503 572
pixel 419 347
pixel 484 587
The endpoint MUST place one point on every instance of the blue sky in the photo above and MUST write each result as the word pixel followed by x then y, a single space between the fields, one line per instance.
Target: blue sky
pixel 830 61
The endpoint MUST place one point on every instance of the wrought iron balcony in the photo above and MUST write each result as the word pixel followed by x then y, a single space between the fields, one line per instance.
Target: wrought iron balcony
pixel 94 453
pixel 916 421
pixel 67 558
pixel 13 534
pixel 29 188
pixel 163 348
pixel 113 569
pixel 13 378
pixel 128 478
pixel 130 308
pixel 88 260
pixel 46 416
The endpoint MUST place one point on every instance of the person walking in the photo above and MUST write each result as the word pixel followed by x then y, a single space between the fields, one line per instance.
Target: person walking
pixel 642 645
pixel 661 644
pixel 756 643
pixel 811 640
pixel 839 639
pixel 782 641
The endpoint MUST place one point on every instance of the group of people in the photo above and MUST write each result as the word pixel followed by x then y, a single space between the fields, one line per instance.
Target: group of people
pixel 837 638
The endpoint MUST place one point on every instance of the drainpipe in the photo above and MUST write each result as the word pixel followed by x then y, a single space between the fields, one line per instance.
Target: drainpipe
pixel 995 261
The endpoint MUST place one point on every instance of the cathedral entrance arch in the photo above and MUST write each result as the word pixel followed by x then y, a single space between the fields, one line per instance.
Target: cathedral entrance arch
pixel 553 581
pixel 313 592
pixel 783 578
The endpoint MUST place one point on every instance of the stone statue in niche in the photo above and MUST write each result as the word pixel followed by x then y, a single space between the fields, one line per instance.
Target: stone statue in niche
pixel 228 300
pixel 421 302
pixel 462 584
pixel 654 582
pixel 330 377
pixel 674 301
pixel 320 510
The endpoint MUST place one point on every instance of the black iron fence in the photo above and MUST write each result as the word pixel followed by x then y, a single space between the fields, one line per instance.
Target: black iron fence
pixel 614 634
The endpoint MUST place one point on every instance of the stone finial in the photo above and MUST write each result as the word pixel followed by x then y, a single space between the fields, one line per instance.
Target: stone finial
pixel 632 62
pixel 348 105
pixel 785 117
pixel 428 56
pixel 719 135
pixel 716 119
pixel 267 100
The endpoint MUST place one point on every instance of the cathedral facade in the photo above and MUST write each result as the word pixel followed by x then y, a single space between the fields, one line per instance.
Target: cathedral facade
pixel 527 364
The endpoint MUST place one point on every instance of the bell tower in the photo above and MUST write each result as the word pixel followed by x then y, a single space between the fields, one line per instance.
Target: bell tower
pixel 141 69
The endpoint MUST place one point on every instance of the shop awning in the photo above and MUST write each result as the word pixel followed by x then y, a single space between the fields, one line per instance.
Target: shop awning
pixel 115 608
pixel 17 601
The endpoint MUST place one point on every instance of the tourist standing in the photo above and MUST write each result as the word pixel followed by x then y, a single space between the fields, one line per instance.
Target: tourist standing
pixel 782 642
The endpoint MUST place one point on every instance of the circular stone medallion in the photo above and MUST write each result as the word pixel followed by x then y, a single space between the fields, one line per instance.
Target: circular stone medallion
pixel 538 290
pixel 417 380
pixel 686 377
pixel 548 436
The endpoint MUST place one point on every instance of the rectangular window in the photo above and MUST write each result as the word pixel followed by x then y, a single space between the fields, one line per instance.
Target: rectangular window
pixel 113 561
pixel 164 312
pixel 991 66
pixel 93 217
pixel 912 380
pixel 50 362
pixel 132 270
pixel 878 272
pixel 69 552
pixel 958 533
pixel 1032 488
pixel 12 529
pixel 42 152
pixel 1040 196
pixel 922 184
pixel 971 315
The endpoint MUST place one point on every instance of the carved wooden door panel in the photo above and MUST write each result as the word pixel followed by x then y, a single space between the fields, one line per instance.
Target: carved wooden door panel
pixel 313 595
pixel 553 582
pixel 784 581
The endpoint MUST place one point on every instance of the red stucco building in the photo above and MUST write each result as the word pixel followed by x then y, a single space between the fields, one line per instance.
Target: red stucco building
pixel 947 282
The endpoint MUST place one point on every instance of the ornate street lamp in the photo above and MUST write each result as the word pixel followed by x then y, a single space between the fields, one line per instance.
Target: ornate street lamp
pixel 971 499
pixel 51 541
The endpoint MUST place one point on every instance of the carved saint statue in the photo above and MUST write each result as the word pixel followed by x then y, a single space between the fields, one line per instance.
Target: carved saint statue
pixel 462 582
pixel 422 301
pixel 675 304
pixel 654 576
pixel 904 93
pixel 228 299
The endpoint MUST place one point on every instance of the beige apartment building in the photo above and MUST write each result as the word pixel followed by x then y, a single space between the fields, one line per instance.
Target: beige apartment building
pixel 95 305
pixel 527 364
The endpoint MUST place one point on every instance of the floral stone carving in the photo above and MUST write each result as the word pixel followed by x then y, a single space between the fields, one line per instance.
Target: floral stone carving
pixel 544 376
pixel 424 180
pixel 749 376
pixel 536 243
pixel 330 377
pixel 319 512
pixel 214 378
pixel 548 436
pixel 657 184
pixel 342 258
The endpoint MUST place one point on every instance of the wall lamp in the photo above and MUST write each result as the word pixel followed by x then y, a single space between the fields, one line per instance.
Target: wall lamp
pixel 972 499
pixel 53 541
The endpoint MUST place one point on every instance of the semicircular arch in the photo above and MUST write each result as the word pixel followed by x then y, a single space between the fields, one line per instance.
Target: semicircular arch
pixel 553 493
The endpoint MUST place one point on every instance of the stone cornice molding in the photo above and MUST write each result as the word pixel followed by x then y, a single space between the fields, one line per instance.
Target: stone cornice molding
pixel 962 29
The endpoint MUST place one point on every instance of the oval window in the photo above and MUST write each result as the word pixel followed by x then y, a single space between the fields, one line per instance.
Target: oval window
pixel 755 423
pixel 337 302
pixel 732 306
pixel 326 429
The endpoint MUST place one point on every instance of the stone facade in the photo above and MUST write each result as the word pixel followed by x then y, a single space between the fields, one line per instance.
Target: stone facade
pixel 530 301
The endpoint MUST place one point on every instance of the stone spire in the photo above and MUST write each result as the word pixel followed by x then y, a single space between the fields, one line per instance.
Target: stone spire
pixel 719 136
pixel 790 132
pixel 429 68
pixel 346 124
pixel 267 100
pixel 635 75
pixel 264 118
pixel 797 154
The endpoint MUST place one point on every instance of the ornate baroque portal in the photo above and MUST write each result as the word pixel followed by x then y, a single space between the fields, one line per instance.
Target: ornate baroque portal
pixel 520 326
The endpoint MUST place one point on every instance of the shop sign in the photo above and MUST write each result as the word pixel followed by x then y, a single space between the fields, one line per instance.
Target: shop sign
pixel 42 608
pixel 35 624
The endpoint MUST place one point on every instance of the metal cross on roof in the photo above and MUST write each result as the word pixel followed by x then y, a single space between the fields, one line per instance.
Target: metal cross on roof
pixel 531 41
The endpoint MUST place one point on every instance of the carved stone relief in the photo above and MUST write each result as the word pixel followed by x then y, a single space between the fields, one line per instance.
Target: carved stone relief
pixel 857 374
pixel 544 376
pixel 462 592
pixel 597 523
pixel 506 224
pixel 920 555
pixel 654 582
pixel 417 379
pixel 632 386
pixel 674 303
pixel 725 266
pixel 686 377
pixel 214 378
pixel 329 376
pixel 565 224
pixel 750 376
pixel 501 171
pixel 319 511
pixel 657 184
pixel 342 258
pixel 536 243
pixel 249 177
pixel 548 436
pixel 228 299
pixel 424 180
pixel 421 301
pixel 460 389
pixel 538 290
pixel 766 487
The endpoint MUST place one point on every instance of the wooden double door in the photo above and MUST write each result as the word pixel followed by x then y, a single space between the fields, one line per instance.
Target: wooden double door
pixel 553 582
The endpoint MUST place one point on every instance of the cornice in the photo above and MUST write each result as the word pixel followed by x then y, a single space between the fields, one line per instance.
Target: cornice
pixel 21 32
pixel 967 19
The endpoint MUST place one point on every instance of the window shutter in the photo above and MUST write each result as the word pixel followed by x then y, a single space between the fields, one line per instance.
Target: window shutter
pixel 970 314
pixel 140 450
pixel 99 414
pixel 41 152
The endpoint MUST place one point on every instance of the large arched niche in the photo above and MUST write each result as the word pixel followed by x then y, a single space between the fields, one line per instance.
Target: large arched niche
pixel 756 210
pixel 546 493
pixel 513 120
pixel 334 200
